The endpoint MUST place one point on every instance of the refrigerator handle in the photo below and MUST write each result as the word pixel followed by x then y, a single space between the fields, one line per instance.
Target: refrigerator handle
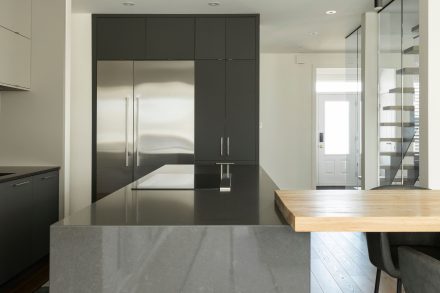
pixel 221 146
pixel 227 145
pixel 126 129
pixel 137 131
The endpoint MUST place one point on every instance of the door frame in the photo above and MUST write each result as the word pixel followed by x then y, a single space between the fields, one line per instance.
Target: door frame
pixel 315 125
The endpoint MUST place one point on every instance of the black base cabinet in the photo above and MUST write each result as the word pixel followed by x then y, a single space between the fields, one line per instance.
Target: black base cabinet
pixel 28 207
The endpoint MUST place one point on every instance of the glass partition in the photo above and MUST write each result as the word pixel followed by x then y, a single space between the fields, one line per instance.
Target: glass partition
pixel 398 93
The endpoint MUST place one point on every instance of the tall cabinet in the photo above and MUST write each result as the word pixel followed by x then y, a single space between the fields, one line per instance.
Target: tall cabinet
pixel 227 91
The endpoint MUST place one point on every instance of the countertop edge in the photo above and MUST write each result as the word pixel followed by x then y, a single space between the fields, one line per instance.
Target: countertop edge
pixel 33 170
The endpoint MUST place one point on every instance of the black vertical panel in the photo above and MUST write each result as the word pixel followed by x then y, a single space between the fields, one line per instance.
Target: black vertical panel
pixel 170 38
pixel 209 109
pixel 241 38
pixel 15 227
pixel 44 213
pixel 241 110
pixel 119 38
pixel 210 38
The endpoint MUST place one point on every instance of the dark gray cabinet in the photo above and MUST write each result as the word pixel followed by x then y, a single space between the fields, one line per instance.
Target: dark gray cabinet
pixel 44 212
pixel 28 207
pixel 226 111
pixel 241 38
pixel 170 38
pixel 210 79
pixel 211 38
pixel 15 227
pixel 119 38
pixel 241 110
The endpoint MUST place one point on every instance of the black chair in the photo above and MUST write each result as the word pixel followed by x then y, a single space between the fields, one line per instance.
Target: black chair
pixel 383 247
pixel 420 269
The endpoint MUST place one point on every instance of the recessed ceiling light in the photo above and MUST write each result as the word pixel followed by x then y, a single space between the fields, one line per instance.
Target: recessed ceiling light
pixel 330 12
pixel 214 3
pixel 128 3
pixel 314 34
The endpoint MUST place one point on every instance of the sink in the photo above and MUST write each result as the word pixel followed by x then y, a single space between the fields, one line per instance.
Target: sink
pixel 5 174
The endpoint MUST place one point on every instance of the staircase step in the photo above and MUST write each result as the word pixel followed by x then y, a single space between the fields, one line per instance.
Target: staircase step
pixel 398 154
pixel 398 124
pixel 399 108
pixel 395 139
pixel 408 71
pixel 415 29
pixel 412 50
pixel 404 167
pixel 405 90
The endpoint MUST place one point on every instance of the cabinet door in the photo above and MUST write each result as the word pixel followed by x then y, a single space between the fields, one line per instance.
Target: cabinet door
pixel 241 38
pixel 209 110
pixel 241 110
pixel 210 38
pixel 170 38
pixel 15 60
pixel 15 227
pixel 120 38
pixel 44 212
pixel 16 16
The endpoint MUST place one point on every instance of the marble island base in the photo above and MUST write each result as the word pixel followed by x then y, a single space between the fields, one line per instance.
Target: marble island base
pixel 171 259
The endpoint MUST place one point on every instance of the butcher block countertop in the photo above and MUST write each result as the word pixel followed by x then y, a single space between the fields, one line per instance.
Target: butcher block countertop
pixel 360 211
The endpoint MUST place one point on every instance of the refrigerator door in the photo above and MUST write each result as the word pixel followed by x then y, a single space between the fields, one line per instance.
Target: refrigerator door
pixel 163 114
pixel 114 136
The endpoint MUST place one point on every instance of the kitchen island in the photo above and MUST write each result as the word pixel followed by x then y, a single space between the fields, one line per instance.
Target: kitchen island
pixel 182 240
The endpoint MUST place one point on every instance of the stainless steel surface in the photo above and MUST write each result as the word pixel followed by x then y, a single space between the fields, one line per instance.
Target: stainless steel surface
pixel 227 145
pixel 221 146
pixel 145 119
pixel 165 114
pixel 114 125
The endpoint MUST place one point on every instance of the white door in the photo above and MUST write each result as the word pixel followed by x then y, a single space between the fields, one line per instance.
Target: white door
pixel 337 140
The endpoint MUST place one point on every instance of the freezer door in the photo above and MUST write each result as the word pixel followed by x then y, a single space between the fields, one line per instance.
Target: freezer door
pixel 114 136
pixel 163 114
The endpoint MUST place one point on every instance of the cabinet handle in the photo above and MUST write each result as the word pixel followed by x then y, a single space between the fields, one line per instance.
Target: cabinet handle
pixel 126 131
pixel 227 145
pixel 21 183
pixel 137 131
pixel 221 146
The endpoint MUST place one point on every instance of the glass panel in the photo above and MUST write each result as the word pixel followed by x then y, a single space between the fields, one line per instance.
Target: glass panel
pixel 337 128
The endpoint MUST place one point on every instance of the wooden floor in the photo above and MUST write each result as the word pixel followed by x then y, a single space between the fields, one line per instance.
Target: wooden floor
pixel 340 264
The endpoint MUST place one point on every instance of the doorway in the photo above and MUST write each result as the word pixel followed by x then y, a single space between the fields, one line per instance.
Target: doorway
pixel 338 131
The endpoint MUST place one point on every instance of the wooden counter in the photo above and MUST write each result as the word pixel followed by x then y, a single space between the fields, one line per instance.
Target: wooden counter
pixel 361 211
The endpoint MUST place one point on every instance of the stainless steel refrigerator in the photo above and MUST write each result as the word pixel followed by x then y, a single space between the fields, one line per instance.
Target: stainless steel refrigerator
pixel 145 119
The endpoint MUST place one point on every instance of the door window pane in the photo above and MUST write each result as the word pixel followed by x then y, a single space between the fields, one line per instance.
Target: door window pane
pixel 337 129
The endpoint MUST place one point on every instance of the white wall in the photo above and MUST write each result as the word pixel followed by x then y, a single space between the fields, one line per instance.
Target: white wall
pixel 32 122
pixel 287 114
pixel 81 112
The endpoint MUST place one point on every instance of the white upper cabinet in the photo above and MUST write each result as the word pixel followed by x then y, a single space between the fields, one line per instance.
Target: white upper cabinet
pixel 15 60
pixel 15 15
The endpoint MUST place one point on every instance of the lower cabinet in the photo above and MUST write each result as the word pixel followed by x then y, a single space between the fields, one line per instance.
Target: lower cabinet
pixel 28 206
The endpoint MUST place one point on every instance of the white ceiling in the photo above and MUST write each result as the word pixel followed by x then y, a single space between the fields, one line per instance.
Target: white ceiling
pixel 286 25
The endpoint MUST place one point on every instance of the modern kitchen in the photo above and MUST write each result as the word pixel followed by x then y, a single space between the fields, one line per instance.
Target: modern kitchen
pixel 177 146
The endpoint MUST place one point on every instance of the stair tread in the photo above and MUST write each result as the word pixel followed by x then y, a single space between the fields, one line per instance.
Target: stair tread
pixel 405 90
pixel 395 139
pixel 415 29
pixel 399 108
pixel 408 71
pixel 412 50
pixel 398 124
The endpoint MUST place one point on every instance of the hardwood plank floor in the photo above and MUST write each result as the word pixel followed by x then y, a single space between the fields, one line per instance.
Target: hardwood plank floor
pixel 339 263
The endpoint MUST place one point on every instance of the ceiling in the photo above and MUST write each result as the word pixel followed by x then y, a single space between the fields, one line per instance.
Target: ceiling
pixel 286 25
